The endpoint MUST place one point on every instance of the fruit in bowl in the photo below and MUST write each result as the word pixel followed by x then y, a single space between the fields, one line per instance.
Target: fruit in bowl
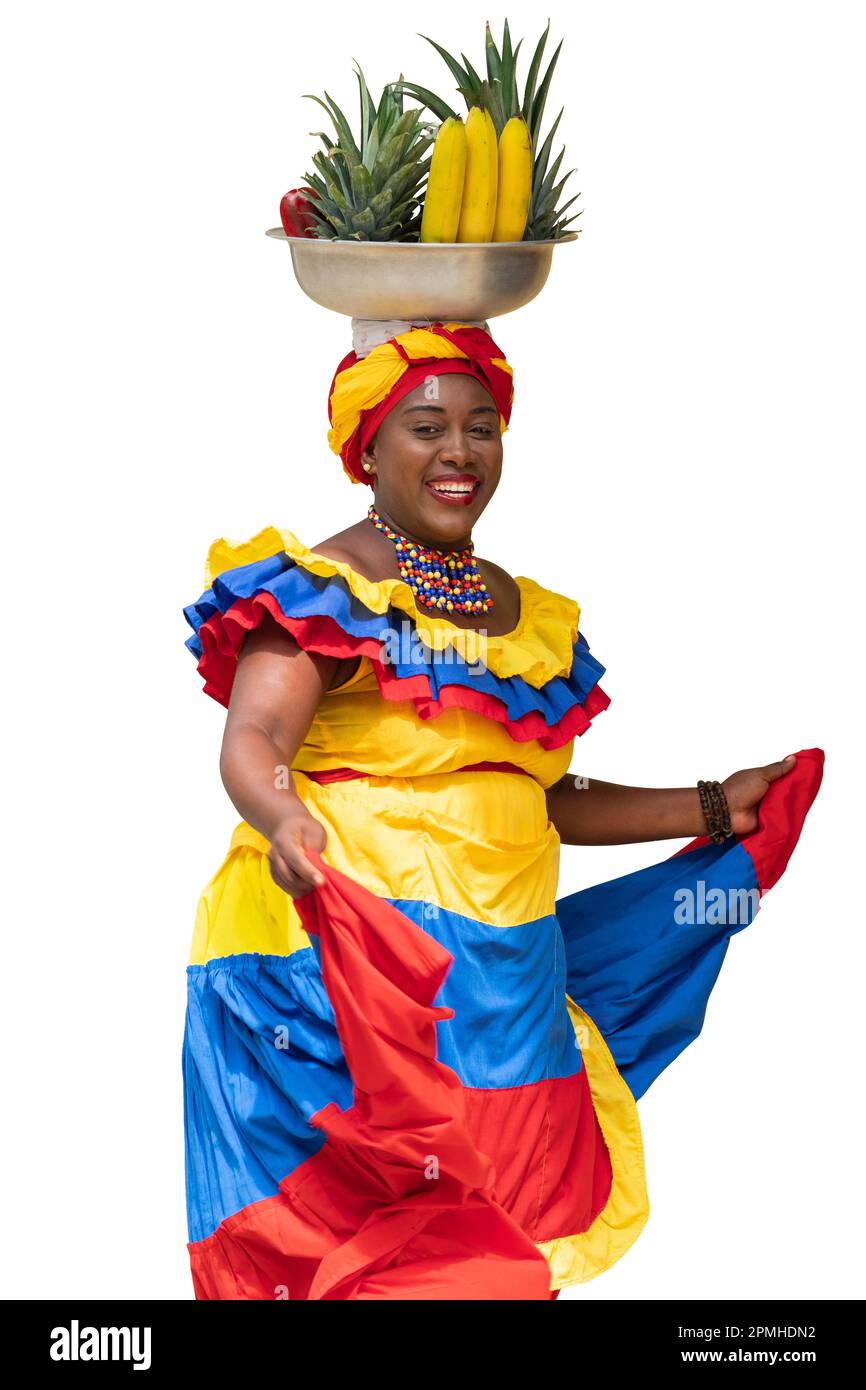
pixel 490 179
pixel 296 212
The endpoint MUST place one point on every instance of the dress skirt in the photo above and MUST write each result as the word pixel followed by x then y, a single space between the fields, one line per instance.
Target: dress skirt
pixel 385 1098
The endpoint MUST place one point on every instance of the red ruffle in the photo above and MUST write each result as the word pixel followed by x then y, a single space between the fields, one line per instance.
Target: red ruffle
pixel 222 635
pixel 529 726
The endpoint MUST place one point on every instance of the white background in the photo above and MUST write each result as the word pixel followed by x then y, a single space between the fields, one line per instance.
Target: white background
pixel 684 459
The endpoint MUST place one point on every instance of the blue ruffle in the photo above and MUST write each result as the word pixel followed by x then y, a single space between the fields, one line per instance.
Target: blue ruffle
pixel 302 594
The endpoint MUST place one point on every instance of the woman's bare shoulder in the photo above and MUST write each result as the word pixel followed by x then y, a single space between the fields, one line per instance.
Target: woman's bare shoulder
pixel 352 547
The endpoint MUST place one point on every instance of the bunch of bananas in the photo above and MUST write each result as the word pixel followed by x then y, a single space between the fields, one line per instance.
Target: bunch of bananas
pixel 516 117
pixel 478 188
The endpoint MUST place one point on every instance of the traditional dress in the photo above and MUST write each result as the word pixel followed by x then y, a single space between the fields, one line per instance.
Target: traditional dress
pixel 419 1080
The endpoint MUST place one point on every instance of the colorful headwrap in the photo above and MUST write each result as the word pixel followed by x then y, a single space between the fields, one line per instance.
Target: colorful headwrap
pixel 364 389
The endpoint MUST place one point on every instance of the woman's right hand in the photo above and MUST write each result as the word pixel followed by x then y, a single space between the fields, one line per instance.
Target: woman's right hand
pixel 291 870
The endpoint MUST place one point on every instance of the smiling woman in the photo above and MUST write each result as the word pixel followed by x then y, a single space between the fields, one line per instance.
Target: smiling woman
pixel 410 1071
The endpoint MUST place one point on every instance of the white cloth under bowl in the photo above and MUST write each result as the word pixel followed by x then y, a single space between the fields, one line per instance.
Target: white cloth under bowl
pixel 370 333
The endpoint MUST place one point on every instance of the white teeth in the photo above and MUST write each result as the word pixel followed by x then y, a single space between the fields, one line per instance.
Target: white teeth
pixel 453 487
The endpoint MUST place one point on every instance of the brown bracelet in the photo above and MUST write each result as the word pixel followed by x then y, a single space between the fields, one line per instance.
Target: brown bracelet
pixel 717 815
pixel 723 814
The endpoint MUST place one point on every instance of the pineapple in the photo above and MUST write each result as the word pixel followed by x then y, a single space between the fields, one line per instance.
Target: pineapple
pixel 498 92
pixel 370 188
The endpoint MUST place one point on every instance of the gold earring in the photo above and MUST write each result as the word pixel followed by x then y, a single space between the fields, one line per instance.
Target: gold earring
pixel 367 467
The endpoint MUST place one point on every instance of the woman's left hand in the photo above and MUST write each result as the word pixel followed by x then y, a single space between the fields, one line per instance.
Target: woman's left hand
pixel 745 791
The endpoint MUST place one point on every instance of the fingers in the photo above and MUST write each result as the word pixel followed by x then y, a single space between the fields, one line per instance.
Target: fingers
pixel 292 844
pixel 292 871
pixel 285 879
pixel 773 771
pixel 312 836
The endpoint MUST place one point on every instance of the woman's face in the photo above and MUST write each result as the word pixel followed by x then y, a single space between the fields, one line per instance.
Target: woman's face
pixel 436 460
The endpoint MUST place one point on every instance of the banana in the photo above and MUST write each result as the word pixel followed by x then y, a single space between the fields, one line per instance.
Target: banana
pixel 478 210
pixel 515 181
pixel 444 194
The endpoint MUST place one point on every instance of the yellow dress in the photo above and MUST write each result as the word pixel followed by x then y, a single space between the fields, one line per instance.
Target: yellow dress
pixel 443 750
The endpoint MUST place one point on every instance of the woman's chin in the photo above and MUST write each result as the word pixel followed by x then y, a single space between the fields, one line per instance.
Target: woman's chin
pixel 450 519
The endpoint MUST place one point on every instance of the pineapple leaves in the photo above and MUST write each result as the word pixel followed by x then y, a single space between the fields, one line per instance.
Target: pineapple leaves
pixel 368 187
pixel 460 76
pixel 368 110
pixel 494 61
pixel 508 71
pixel 474 78
pixel 544 153
pixel 540 99
pixel 532 77
pixel 440 108
pixel 341 125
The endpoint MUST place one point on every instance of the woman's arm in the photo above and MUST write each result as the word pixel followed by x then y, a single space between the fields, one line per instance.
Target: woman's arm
pixel 588 812
pixel 276 691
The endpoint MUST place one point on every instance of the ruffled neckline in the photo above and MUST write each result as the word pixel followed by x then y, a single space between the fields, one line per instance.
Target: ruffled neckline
pixel 538 648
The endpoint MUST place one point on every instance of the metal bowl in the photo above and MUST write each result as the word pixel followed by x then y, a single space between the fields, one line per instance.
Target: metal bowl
pixel 428 280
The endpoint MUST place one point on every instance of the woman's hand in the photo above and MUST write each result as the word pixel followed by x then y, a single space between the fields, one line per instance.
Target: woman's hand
pixel 291 870
pixel 745 791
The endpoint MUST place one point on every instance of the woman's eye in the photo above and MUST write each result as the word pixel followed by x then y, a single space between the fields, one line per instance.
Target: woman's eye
pixel 425 431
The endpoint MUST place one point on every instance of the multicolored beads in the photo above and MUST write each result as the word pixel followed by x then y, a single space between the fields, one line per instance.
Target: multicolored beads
pixel 443 580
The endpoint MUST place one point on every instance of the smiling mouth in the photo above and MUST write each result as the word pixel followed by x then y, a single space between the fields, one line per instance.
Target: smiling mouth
pixel 456 491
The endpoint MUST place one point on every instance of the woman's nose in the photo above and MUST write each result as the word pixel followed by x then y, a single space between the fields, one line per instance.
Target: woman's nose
pixel 455 449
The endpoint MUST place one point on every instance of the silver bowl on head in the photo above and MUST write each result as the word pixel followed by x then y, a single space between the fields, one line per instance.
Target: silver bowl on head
pixel 411 279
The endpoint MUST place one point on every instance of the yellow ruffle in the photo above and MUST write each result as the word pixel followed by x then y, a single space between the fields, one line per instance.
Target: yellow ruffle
pixel 575 1259
pixel 537 649
pixel 242 909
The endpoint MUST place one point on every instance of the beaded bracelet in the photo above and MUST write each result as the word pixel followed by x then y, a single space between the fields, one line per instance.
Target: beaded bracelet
pixel 717 815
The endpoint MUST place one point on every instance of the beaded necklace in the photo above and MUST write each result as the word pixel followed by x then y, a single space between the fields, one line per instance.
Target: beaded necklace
pixel 443 579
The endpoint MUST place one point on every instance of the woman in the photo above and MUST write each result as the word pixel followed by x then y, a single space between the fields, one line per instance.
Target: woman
pixel 409 1072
